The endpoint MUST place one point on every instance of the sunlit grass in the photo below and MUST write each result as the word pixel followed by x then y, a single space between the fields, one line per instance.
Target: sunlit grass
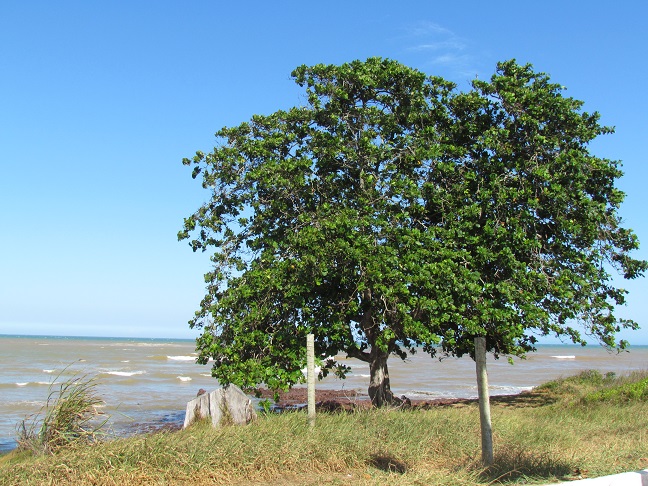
pixel 69 415
pixel 541 437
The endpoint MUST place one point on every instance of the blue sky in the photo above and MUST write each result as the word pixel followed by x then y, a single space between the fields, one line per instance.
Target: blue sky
pixel 102 100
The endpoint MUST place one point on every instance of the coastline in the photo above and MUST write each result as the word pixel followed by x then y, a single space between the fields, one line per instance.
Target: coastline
pixel 327 400
pixel 295 399
pixel 348 400
pixel 146 383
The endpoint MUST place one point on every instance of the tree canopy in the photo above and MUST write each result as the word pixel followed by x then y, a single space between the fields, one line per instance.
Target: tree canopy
pixel 393 213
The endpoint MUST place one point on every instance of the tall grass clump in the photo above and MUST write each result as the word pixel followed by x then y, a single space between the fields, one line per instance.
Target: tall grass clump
pixel 573 388
pixel 70 415
pixel 589 387
pixel 620 392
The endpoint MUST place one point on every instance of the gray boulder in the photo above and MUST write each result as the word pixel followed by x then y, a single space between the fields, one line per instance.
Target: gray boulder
pixel 227 405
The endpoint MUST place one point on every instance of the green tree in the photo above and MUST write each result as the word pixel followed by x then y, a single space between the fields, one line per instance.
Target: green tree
pixel 534 216
pixel 393 213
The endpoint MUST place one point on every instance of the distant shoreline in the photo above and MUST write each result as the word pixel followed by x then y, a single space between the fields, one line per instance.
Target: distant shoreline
pixel 193 339
pixel 98 338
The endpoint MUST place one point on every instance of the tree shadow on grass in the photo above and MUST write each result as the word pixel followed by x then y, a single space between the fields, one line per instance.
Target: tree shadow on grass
pixel 524 399
pixel 512 466
pixel 530 399
pixel 387 463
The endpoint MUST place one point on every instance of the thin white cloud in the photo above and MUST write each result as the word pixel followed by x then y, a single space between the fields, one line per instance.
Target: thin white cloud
pixel 438 46
pixel 426 29
pixel 441 48
pixel 451 59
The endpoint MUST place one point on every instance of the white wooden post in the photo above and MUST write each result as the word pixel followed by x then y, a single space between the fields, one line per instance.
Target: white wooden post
pixel 310 377
pixel 484 401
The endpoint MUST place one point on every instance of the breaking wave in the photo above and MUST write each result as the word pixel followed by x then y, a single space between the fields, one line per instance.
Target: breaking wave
pixel 125 373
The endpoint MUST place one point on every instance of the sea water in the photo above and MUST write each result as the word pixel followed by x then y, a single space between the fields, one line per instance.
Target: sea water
pixel 149 381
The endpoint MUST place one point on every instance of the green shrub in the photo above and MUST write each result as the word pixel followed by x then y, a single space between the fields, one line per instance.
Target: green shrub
pixel 622 393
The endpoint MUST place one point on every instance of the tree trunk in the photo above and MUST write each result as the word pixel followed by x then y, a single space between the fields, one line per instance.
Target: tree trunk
pixel 379 390
pixel 484 401
pixel 310 367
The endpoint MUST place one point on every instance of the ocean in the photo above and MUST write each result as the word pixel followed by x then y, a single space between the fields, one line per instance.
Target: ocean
pixel 149 381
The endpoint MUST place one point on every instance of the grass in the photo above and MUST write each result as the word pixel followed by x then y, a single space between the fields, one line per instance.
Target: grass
pixel 620 392
pixel 551 434
pixel 69 415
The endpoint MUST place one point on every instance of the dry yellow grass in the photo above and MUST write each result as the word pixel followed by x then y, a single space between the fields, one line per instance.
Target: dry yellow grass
pixel 547 436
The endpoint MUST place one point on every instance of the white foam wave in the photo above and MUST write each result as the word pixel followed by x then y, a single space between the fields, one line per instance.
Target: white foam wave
pixel 31 402
pixel 354 365
pixel 48 371
pixel 425 393
pixel 428 395
pixel 509 389
pixel 182 358
pixel 317 369
pixel 125 373
pixel 571 356
pixel 22 384
pixel 126 361
pixel 148 345
pixel 184 378
pixel 205 374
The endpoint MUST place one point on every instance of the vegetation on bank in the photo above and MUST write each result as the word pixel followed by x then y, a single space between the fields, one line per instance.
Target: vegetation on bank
pixel 588 425
pixel 69 415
